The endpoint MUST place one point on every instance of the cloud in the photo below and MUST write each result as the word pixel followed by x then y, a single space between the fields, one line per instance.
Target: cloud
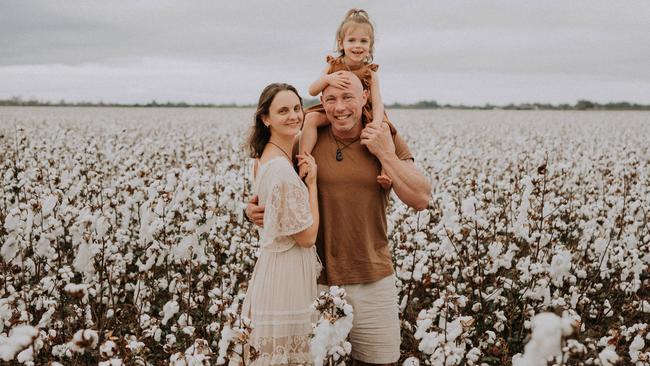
pixel 208 51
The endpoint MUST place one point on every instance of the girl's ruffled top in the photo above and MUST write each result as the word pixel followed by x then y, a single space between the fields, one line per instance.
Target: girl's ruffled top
pixel 364 72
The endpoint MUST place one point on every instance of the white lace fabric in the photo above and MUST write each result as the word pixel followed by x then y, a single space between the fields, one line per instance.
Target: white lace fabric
pixel 287 212
pixel 291 350
pixel 283 284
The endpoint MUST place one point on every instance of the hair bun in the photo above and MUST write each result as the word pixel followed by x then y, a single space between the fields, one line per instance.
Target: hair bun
pixel 357 12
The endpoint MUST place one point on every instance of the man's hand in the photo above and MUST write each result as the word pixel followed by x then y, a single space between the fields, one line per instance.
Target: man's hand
pixel 254 212
pixel 377 138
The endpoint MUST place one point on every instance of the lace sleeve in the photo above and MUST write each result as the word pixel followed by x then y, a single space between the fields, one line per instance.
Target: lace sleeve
pixel 287 209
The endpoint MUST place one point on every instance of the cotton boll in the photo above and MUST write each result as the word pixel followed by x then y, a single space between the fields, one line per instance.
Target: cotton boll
pixel 48 204
pixel 20 337
pixel 468 207
pixel 636 347
pixel 424 217
pixel 411 361
pixel 107 349
pixel 183 250
pixel 331 330
pixel 83 260
pixel 44 248
pixel 47 317
pixel 133 344
pixel 403 303
pixel 454 329
pixel 9 249
pixel 545 341
pixel 169 310
pixel 101 227
pixel 473 356
pixel 608 356
pixel 26 355
pixel 560 267
pixel 83 339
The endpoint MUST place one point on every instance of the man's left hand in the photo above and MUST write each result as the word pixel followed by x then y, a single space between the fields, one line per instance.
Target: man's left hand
pixel 377 138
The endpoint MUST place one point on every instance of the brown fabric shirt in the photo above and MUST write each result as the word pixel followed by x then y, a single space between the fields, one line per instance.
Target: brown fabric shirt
pixel 364 73
pixel 352 240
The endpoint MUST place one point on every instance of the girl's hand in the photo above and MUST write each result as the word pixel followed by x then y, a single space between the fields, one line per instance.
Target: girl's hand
pixel 308 168
pixel 338 79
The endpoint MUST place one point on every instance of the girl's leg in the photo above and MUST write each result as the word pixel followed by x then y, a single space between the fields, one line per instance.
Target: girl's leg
pixel 383 179
pixel 309 133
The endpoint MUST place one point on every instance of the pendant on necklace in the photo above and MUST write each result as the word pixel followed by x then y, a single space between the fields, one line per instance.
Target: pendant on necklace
pixel 339 155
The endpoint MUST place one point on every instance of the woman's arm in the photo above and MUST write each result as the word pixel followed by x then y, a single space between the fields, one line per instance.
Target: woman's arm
pixel 377 104
pixel 307 237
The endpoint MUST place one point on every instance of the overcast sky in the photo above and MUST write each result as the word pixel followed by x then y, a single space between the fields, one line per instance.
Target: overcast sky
pixel 471 52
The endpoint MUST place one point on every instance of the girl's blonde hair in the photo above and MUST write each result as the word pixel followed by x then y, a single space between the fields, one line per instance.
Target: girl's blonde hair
pixel 358 16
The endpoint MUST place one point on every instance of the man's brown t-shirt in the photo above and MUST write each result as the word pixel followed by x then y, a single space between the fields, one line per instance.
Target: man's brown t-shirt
pixel 352 240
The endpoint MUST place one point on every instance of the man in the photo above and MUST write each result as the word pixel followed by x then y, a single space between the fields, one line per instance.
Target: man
pixel 352 240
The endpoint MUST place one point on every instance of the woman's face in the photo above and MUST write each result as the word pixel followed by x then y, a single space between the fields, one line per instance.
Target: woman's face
pixel 285 114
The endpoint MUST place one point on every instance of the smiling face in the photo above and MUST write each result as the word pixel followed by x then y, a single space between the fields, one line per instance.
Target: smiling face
pixel 356 42
pixel 344 107
pixel 285 114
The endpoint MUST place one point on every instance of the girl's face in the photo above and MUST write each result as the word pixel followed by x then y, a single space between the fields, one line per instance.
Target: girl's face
pixel 356 42
pixel 285 114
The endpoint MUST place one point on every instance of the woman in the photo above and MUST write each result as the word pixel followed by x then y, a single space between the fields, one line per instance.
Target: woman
pixel 283 284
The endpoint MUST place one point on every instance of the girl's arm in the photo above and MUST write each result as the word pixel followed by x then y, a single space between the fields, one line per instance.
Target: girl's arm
pixel 317 86
pixel 336 79
pixel 377 104
pixel 309 134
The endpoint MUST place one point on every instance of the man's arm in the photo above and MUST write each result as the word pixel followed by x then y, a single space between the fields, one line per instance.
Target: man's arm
pixel 254 212
pixel 410 185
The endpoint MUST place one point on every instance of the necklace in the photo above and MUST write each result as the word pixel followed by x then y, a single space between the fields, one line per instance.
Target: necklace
pixel 339 149
pixel 281 149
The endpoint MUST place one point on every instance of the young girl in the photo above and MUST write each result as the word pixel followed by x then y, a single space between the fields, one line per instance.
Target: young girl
pixel 355 40
pixel 283 284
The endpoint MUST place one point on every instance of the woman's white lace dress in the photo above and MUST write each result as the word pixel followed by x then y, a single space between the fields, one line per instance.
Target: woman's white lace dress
pixel 283 285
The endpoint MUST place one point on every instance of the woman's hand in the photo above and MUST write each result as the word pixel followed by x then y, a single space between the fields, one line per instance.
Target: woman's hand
pixel 308 168
pixel 338 79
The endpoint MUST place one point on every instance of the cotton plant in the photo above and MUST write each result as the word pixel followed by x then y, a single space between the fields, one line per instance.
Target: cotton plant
pixel 639 336
pixel 198 354
pixel 330 344
pixel 233 340
pixel 112 222
pixel 18 343
pixel 546 340
pixel 444 334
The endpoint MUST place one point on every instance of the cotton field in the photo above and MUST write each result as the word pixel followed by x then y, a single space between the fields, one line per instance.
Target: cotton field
pixel 122 239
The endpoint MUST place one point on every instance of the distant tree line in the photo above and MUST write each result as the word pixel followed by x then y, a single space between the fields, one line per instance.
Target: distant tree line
pixel 19 102
pixel 580 105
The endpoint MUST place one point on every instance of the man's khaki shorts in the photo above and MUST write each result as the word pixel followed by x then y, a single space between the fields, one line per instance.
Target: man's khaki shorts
pixel 375 334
